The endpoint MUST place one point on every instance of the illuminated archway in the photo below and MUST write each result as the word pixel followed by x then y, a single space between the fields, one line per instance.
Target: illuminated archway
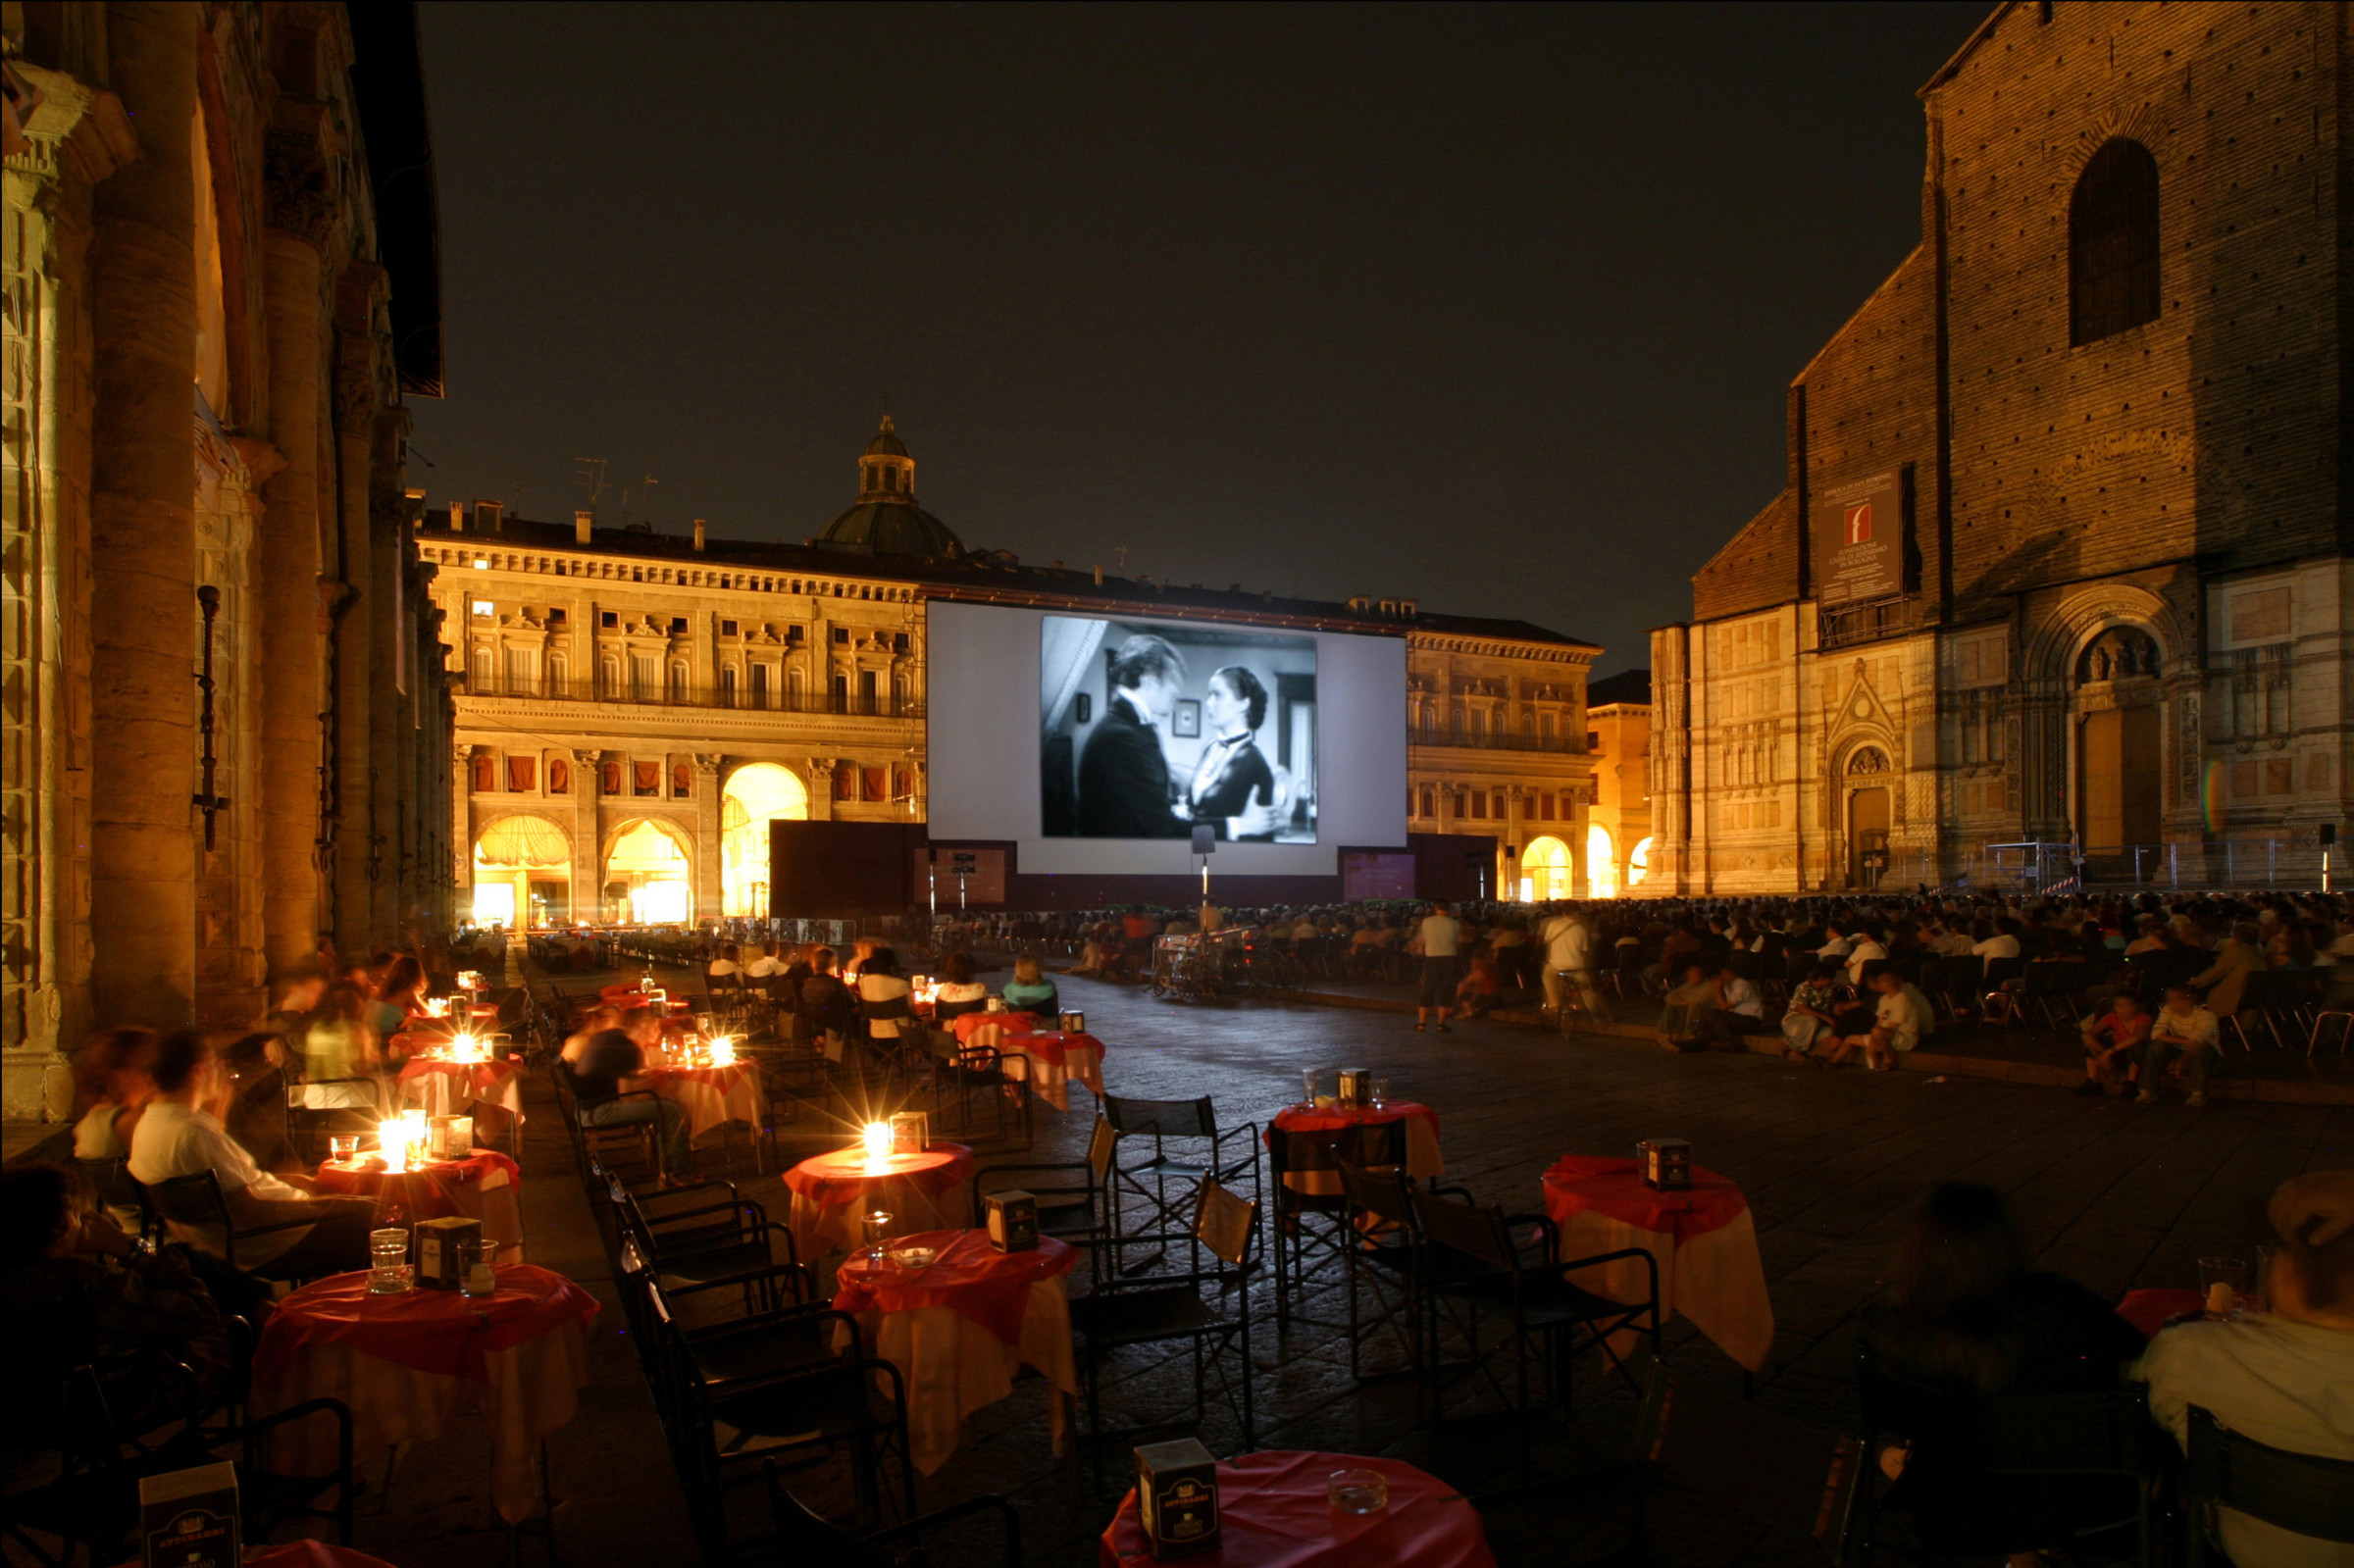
pixel 1544 868
pixel 649 875
pixel 1602 863
pixel 521 872
pixel 1638 864
pixel 757 794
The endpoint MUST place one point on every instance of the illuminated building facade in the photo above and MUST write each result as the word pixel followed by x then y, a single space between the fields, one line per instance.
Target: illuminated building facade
pixel 2061 553
pixel 225 728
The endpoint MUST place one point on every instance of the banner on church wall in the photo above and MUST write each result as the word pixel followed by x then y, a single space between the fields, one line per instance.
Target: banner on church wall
pixel 1859 540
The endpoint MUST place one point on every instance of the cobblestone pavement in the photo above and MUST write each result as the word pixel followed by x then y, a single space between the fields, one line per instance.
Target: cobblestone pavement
pixel 2113 1195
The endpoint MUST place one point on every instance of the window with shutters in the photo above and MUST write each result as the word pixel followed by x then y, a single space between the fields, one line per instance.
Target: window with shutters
pixel 2112 242
pixel 644 678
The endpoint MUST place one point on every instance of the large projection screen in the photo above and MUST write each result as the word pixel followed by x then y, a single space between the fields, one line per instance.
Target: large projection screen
pixel 1098 740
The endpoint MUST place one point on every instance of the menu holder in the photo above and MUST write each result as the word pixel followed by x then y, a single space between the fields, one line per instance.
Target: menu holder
pixel 188 1518
pixel 1356 1087
pixel 1177 1497
pixel 1012 1221
pixel 1666 1163
pixel 439 1267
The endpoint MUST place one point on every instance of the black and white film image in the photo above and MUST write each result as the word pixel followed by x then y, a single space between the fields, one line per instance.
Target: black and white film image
pixel 1152 729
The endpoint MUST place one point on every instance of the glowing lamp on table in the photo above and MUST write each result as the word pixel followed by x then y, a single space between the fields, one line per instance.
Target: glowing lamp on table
pixel 723 1052
pixel 876 1138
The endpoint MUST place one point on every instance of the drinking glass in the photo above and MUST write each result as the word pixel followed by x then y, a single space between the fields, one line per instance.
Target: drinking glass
pixel 1357 1491
pixel 1381 1092
pixel 2231 1276
pixel 1308 1088
pixel 476 1279
pixel 342 1149
pixel 876 1230
pixel 387 1260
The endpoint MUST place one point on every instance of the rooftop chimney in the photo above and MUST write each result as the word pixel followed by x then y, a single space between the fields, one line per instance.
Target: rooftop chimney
pixel 698 534
pixel 581 522
pixel 457 517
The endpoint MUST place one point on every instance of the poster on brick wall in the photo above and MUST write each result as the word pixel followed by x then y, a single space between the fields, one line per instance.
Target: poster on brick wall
pixel 1859 540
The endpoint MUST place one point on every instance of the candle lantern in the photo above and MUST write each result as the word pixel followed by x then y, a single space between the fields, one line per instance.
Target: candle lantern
pixel 1177 1497
pixel 1072 1022
pixel 1356 1087
pixel 437 1264
pixel 910 1131
pixel 1666 1163
pixel 451 1138
pixel 1012 1221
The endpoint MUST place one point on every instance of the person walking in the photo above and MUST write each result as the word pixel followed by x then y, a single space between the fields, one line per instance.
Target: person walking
pixel 1569 963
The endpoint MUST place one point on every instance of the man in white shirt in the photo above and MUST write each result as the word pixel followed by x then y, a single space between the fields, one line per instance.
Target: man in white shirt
pixel 284 1231
pixel 1440 935
pixel 1866 950
pixel 764 964
pixel 1739 1013
pixel 1569 961
pixel 1833 945
pixel 2001 944
pixel 2285 1377
pixel 2182 1042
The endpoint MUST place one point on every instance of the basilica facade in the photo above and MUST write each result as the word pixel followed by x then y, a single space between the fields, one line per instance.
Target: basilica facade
pixel 634 708
pixel 225 730
pixel 2061 555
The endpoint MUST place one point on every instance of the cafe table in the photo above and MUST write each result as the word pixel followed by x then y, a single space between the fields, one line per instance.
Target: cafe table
pixel 2149 1309
pixel 440 1084
pixel 959 1329
pixel 1273 1512
pixel 408 1365
pixel 485 1186
pixel 832 1192
pixel 301 1555
pixel 1306 1161
pixel 1704 1240
pixel 711 1097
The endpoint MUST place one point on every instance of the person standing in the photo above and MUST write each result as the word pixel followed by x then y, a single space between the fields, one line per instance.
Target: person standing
pixel 1442 938
pixel 1569 962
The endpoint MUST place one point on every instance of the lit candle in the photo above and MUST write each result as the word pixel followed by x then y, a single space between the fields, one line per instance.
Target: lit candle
pixel 391 1141
pixel 723 1052
pixel 876 1136
pixel 467 1049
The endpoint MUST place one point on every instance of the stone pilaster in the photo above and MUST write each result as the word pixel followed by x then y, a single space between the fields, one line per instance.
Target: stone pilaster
pixel 142 535
pixel 709 891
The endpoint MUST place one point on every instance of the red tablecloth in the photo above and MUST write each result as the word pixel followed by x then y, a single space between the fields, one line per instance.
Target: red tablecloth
pixel 1422 1156
pixel 1704 1241
pixel 441 1332
pixel 921 1192
pixel 480 1188
pixel 971 1277
pixel 1010 1023
pixel 1273 1513
pixel 2148 1310
pixel 1054 1058
pixel 303 1554
pixel 710 1095
pixel 831 1181
pixel 491 1082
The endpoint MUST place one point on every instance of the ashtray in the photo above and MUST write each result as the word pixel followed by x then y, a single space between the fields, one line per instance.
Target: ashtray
pixel 912 1258
pixel 1357 1491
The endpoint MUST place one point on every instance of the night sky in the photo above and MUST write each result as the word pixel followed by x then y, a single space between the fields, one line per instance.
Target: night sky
pixel 1491 307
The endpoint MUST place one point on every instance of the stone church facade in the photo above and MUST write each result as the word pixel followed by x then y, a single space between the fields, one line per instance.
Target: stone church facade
pixel 2062 550
pixel 224 724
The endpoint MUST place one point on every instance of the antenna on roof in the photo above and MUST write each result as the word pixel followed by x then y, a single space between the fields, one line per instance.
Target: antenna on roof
pixel 591 471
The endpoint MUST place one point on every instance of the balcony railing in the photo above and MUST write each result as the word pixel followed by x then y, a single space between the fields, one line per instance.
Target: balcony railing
pixel 750 700
pixel 1493 741
pixel 1867 623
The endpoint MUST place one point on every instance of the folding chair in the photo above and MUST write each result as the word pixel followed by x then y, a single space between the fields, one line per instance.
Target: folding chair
pixel 1077 1212
pixel 1312 1207
pixel 2304 1493
pixel 1167 1307
pixel 1203 1152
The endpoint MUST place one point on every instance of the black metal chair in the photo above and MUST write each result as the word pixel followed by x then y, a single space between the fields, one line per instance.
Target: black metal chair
pixel 810 1540
pixel 1077 1212
pixel 1491 1276
pixel 197 1201
pixel 1395 1268
pixel 1167 1307
pixel 1202 1152
pixel 2062 1440
pixel 1964 982
pixel 308 1126
pixel 2304 1493
pixel 1311 1216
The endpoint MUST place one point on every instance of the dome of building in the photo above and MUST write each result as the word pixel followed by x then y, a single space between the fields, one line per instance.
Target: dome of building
pixel 885 519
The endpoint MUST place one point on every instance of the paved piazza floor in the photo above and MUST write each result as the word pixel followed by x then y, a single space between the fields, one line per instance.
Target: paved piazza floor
pixel 2113 1195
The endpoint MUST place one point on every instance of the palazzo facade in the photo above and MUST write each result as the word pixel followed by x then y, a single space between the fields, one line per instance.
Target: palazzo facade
pixel 2062 550
pixel 636 707
pixel 226 731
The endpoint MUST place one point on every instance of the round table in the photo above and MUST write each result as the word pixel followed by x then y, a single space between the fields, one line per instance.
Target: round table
pixel 442 1087
pixel 960 1329
pixel 709 1096
pixel 408 1365
pixel 2149 1309
pixel 302 1554
pixel 485 1186
pixel 1308 1168
pixel 920 1191
pixel 1273 1513
pixel 1704 1240
pixel 1054 1056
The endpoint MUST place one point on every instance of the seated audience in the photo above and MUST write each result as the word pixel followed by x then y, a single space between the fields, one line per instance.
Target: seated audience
pixel 2223 982
pixel 1901 1020
pixel 883 994
pixel 112 1087
pixel 604 1065
pixel 2113 1045
pixel 1740 1009
pixel 178 1137
pixel 1962 1314
pixel 1813 1012
pixel 827 1011
pixel 1693 995
pixel 1030 992
pixel 2284 1377
pixel 957 993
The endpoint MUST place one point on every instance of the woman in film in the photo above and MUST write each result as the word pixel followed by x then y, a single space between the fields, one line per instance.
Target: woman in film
pixel 1233 780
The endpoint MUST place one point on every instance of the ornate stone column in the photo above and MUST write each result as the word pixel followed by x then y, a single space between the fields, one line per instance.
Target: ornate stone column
pixel 708 888
pixel 286 596
pixel 587 836
pixel 142 536
pixel 361 630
